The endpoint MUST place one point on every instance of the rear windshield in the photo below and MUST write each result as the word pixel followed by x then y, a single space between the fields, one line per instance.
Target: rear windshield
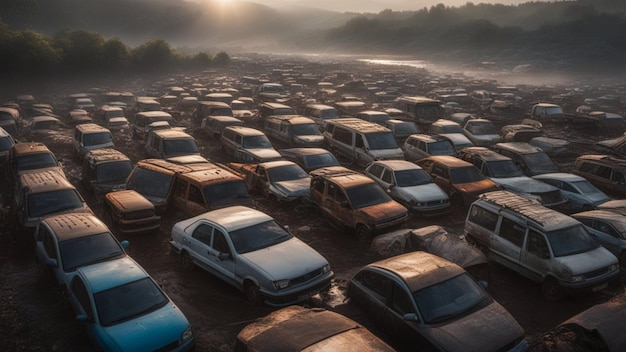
pixel 381 140
pixel 35 161
pixel 151 183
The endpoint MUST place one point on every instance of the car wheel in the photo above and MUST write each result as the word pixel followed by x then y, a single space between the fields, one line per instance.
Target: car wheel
pixel 551 290
pixel 186 261
pixel 362 233
pixel 253 293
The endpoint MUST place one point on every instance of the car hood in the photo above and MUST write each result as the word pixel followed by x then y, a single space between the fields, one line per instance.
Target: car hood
pixel 286 260
pixel 299 187
pixel 387 210
pixel 422 193
pixel 597 198
pixel 582 263
pixel 478 187
pixel 150 332
pixel 495 326
pixel 265 153
pixel 524 184
pixel 382 154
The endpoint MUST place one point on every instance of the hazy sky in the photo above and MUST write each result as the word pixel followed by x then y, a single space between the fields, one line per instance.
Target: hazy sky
pixel 375 5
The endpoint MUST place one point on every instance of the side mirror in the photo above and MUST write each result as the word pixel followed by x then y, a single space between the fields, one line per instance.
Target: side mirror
pixel 52 262
pixel 82 317
pixel 125 244
pixel 223 256
pixel 410 317
pixel 484 284
pixel 344 204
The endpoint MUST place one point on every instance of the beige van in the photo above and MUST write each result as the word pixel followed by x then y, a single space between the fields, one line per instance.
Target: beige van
pixel 361 141
pixel 295 130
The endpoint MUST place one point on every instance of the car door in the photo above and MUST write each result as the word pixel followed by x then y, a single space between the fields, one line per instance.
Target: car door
pixel 536 256
pixel 338 205
pixel 81 300
pixel 606 235
pixel 506 245
pixel 199 243
pixel 223 258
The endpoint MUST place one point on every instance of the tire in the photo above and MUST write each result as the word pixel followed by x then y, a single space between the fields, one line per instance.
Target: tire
pixel 253 293
pixel 362 233
pixel 551 290
pixel 186 262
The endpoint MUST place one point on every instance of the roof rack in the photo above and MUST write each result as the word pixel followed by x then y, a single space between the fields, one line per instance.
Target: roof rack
pixel 507 200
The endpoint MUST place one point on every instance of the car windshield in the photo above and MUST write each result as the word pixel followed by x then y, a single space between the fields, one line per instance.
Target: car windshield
pixel 465 174
pixel 286 173
pixel 150 183
pixel 540 161
pixel 35 161
pixel 283 111
pixel 406 129
pixel 259 236
pixel 451 129
pixel 367 195
pixel 97 138
pixel 320 160
pixel 570 241
pixel 585 187
pixel 180 147
pixel 5 144
pixel 221 112
pixel 40 204
pixel 128 301
pixel 85 250
pixel 381 140
pixel 226 193
pixel 153 119
pixel 306 130
pixel 503 169
pixel 431 112
pixel 113 173
pixel 256 142
pixel 329 113
pixel 46 125
pixel 480 127
pixel 413 177
pixel 443 147
pixel 449 299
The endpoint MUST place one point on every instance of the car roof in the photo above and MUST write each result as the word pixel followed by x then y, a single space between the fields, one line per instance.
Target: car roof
pixel 607 159
pixel 233 218
pixel 419 269
pixel 44 181
pixel 304 151
pixel 343 176
pixel 164 166
pixel 427 137
pixel 397 164
pixel 69 226
pixel 246 131
pixel 91 127
pixel 170 133
pixel 210 176
pixel 548 218
pixel 105 154
pixel 358 124
pixel 112 273
pixel 448 161
pixel 618 220
pixel 561 176
pixel 156 113
pixel 519 147
pixel 292 119
pixel 30 148
pixel 484 153
pixel 129 200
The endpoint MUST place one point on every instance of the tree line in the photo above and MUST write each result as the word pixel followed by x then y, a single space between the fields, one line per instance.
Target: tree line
pixel 80 52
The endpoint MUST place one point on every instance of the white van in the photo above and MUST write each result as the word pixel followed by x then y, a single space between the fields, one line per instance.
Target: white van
pixel 295 130
pixel 544 245
pixel 361 141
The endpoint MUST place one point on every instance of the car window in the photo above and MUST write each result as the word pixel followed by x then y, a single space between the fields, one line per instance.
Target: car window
pixel 588 167
pixel 617 177
pixel 203 233
pixel 48 243
pixel 536 244
pixel 605 227
pixel 82 296
pixel 84 250
pixel 512 232
pixel 439 171
pixel 401 301
pixel 388 176
pixel 376 170
pixel 335 193
pixel 483 217
pixel 604 172
pixel 379 285
pixel 219 242
pixel 195 195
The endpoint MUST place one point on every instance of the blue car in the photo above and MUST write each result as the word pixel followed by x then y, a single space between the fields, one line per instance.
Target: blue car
pixel 123 309
pixel 582 195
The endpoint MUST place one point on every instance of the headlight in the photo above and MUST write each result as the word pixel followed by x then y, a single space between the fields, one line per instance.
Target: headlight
pixel 186 336
pixel 325 268
pixel 280 284
pixel 577 278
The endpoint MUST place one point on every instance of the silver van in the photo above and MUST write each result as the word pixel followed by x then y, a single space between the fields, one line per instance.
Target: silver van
pixel 295 130
pixel 320 113
pixel 360 141
pixel 248 145
pixel 544 245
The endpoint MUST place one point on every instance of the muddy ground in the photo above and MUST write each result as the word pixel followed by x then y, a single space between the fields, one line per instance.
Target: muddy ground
pixel 34 316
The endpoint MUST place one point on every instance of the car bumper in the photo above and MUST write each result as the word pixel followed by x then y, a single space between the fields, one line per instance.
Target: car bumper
pixel 138 226
pixel 432 210
pixel 292 297
pixel 598 284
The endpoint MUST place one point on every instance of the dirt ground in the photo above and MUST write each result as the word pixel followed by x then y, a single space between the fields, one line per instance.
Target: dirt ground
pixel 34 316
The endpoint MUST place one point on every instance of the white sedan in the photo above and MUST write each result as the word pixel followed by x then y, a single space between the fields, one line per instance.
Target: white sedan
pixel 251 251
